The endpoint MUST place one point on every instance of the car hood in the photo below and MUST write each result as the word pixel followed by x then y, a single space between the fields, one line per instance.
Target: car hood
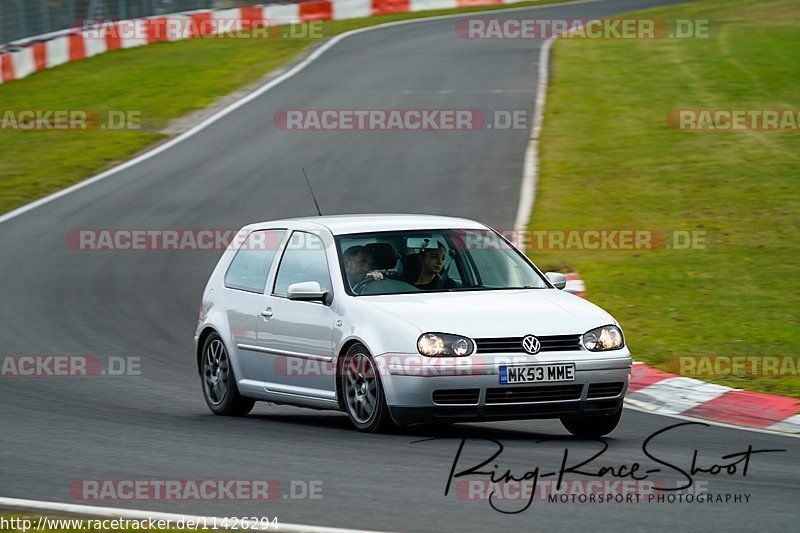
pixel 506 313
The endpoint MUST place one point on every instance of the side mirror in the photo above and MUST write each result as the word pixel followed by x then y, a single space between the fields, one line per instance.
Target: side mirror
pixel 307 291
pixel 558 280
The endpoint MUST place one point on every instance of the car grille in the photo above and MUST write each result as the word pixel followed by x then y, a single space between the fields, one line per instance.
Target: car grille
pixel 551 343
pixel 456 396
pixel 551 393
pixel 604 390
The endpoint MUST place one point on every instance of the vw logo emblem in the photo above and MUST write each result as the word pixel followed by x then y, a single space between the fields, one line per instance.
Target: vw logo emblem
pixel 531 344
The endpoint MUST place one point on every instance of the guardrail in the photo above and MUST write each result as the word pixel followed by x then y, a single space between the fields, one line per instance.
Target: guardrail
pixel 21 19
pixel 22 58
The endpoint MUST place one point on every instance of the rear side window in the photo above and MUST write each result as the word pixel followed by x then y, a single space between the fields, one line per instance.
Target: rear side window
pixel 250 267
pixel 303 260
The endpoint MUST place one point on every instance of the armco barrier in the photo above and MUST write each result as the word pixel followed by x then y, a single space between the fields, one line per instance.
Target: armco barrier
pixel 36 53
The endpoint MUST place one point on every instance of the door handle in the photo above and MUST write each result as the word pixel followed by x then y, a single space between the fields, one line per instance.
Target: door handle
pixel 267 313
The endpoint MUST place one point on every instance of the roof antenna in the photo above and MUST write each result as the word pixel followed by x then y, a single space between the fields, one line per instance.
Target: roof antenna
pixel 312 191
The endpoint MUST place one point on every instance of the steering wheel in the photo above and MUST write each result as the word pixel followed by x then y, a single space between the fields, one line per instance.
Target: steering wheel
pixel 358 287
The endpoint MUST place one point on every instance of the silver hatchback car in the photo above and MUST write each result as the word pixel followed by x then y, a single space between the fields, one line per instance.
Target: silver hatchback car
pixel 403 319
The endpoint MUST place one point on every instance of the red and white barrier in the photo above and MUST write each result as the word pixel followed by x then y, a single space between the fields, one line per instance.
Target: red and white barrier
pixel 575 285
pixel 385 7
pixel 423 5
pixel 23 61
pixel 473 3
pixel 6 68
pixel 94 42
pixel 227 18
pixel 316 10
pixel 282 14
pixel 351 9
pixel 42 52
pixel 57 51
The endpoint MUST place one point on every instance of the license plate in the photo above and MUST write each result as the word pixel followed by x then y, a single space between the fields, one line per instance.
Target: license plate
pixel 537 373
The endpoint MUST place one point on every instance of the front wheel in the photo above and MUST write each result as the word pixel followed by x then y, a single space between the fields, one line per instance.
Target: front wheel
pixel 219 384
pixel 592 426
pixel 363 395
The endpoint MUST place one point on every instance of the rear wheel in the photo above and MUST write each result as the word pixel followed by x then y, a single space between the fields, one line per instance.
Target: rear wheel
pixel 219 384
pixel 592 426
pixel 362 391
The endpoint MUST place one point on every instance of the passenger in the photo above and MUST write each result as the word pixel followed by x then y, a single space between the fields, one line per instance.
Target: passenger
pixel 358 265
pixel 431 265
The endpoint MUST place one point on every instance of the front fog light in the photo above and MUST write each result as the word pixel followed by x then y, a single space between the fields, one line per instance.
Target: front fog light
pixel 603 338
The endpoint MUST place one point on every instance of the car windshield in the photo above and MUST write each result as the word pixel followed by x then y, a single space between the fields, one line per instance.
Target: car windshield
pixel 433 261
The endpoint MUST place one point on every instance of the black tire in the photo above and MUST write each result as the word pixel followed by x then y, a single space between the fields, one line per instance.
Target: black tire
pixel 218 381
pixel 592 426
pixel 362 391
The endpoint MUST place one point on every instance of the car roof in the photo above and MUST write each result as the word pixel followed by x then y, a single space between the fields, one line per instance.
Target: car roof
pixel 348 224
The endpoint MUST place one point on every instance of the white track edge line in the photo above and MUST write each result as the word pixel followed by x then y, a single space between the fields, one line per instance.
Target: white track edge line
pixel 135 514
pixel 530 172
pixel 255 94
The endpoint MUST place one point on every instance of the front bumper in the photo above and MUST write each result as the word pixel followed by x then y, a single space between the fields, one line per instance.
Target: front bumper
pixel 457 392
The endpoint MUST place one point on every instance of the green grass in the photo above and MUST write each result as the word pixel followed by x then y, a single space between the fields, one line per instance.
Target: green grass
pixel 162 82
pixel 609 160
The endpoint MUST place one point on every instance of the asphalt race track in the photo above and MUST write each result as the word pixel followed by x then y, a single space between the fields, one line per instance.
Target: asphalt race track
pixel 57 300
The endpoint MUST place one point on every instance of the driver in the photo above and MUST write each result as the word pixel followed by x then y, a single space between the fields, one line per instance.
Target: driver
pixel 358 265
pixel 430 275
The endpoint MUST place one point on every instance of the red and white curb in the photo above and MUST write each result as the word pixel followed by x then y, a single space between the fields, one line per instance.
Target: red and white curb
pixel 659 392
pixel 655 391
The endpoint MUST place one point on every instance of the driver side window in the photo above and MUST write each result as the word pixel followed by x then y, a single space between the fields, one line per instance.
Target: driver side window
pixel 303 260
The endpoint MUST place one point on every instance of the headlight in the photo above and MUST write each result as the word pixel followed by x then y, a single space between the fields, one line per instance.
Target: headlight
pixel 439 344
pixel 604 338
